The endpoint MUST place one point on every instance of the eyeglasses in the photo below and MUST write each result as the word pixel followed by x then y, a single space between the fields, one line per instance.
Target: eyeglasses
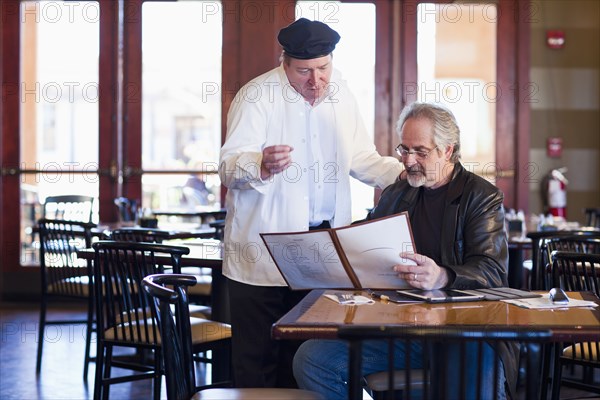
pixel 419 154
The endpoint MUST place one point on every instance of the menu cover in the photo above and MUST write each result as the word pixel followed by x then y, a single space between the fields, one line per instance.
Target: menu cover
pixel 355 256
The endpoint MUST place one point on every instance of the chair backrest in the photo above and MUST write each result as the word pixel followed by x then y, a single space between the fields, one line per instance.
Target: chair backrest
pixel 576 271
pixel 540 256
pixel 63 273
pixel 119 269
pixel 219 226
pixel 573 271
pixel 139 235
pixel 175 328
pixel 442 378
pixel 69 208
pixel 589 243
pixel 592 216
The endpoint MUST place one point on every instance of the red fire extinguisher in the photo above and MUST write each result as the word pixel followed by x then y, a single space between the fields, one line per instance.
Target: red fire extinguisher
pixel 556 192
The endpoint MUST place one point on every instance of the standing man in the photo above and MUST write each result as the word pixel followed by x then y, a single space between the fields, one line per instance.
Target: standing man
pixel 457 220
pixel 294 138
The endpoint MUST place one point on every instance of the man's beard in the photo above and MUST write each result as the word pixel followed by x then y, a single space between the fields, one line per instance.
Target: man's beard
pixel 416 177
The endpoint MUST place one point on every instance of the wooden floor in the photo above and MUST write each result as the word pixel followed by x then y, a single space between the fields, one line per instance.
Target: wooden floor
pixel 62 362
pixel 61 376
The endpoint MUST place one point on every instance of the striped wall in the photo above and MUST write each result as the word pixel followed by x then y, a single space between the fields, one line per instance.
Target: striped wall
pixel 566 103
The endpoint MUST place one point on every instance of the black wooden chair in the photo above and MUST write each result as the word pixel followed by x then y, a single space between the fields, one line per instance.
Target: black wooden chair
pixel 200 292
pixel 592 217
pixel 65 276
pixel 576 271
pixel 135 234
pixel 126 317
pixel 436 379
pixel 219 226
pixel 588 243
pixel 543 244
pixel 177 351
pixel 69 208
pixel 540 255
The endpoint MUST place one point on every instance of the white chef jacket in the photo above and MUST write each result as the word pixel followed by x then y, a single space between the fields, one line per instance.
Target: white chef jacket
pixel 267 111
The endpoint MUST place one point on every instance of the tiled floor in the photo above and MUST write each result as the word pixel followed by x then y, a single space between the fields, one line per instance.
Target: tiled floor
pixel 62 362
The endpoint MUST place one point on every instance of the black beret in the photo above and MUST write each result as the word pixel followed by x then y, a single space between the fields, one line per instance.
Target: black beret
pixel 306 39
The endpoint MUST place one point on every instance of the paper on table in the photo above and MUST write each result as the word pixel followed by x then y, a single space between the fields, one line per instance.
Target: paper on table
pixel 349 298
pixel 544 302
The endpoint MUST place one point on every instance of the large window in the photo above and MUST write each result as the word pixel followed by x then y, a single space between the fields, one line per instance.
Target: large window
pixel 181 111
pixel 457 67
pixel 59 106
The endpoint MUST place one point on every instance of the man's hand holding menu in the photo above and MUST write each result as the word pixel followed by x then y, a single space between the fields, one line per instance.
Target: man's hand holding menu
pixel 356 256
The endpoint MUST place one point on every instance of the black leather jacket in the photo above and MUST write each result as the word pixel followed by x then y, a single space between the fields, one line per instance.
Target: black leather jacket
pixel 473 243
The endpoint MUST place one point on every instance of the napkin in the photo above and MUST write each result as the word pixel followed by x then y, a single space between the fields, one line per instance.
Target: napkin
pixel 544 302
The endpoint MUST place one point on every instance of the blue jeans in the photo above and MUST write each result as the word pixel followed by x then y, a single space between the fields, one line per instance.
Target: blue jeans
pixel 322 366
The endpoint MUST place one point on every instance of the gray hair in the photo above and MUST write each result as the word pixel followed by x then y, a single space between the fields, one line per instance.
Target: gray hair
pixel 445 128
pixel 284 58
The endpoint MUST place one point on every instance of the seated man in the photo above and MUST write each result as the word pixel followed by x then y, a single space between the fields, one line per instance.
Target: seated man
pixel 458 227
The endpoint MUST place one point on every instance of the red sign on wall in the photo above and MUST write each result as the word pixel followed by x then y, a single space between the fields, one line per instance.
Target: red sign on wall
pixel 554 147
pixel 555 39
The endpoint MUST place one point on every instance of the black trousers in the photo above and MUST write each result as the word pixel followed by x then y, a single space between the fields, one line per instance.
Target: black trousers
pixel 259 360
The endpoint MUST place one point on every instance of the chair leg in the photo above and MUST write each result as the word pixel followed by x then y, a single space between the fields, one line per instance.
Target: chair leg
pixel 547 357
pixel 88 339
pixel 99 367
pixel 557 372
pixel 107 367
pixel 42 329
pixel 158 374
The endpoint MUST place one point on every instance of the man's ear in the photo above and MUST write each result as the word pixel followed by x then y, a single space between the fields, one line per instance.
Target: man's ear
pixel 448 152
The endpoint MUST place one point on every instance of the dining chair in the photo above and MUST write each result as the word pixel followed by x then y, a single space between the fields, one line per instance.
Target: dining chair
pixel 540 256
pixel 69 208
pixel 436 378
pixel 378 383
pixel 219 226
pixel 576 271
pixel 201 291
pixel 126 318
pixel 63 275
pixel 171 289
pixel 543 243
pixel 592 217
pixel 202 288
pixel 589 243
pixel 135 234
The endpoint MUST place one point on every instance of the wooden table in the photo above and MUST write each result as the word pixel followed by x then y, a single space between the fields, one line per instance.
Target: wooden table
pixel 204 215
pixel 318 317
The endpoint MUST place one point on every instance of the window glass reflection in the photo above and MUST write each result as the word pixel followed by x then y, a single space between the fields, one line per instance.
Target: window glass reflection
pixel 181 115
